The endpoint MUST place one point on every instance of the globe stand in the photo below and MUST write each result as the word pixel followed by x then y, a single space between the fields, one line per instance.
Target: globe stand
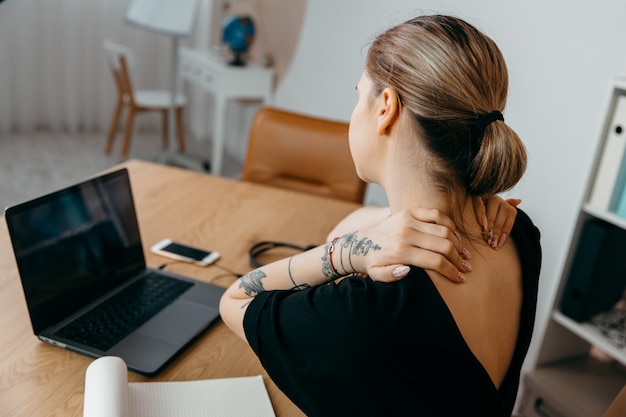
pixel 237 60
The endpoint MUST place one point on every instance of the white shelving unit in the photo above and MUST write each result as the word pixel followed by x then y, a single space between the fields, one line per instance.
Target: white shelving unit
pixel 570 379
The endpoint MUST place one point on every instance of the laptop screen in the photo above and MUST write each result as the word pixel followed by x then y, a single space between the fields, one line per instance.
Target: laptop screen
pixel 74 245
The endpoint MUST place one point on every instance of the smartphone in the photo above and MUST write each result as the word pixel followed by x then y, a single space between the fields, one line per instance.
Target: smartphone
pixel 182 252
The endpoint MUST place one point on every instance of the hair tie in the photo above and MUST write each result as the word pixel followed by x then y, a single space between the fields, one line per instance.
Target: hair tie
pixel 486 119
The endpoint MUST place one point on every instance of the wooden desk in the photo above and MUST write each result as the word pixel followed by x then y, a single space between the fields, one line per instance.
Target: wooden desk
pixel 226 215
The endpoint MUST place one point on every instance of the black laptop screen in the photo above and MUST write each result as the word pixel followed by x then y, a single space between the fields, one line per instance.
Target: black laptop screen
pixel 74 245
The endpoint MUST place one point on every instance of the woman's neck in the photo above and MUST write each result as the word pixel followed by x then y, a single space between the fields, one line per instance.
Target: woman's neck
pixel 415 191
pixel 405 173
pixel 406 190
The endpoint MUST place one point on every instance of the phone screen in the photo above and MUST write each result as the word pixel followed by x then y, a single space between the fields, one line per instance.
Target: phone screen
pixel 186 251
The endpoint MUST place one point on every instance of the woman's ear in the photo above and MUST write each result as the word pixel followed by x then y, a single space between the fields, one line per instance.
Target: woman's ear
pixel 387 110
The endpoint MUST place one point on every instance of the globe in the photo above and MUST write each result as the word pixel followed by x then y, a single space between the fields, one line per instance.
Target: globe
pixel 238 34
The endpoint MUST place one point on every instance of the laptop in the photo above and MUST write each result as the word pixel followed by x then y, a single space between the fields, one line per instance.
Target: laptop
pixel 81 262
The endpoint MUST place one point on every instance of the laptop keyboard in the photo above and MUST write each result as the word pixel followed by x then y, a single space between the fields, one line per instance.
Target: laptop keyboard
pixel 116 318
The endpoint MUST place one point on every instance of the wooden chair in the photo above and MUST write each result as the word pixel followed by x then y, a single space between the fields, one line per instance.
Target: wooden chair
pixel 120 60
pixel 302 153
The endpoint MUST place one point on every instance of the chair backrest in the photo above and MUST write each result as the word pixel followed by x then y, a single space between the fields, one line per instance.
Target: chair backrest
pixel 120 59
pixel 302 153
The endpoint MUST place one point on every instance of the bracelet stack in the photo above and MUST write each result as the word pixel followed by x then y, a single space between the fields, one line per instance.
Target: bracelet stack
pixel 331 249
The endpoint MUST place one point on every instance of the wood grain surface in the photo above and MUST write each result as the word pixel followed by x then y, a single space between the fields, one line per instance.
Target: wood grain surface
pixel 215 213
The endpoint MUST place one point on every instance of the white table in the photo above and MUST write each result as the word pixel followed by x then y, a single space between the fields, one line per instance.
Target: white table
pixel 224 82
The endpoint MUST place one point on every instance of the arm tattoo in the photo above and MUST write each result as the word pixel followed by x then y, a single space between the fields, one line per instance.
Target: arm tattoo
pixel 341 259
pixel 364 245
pixel 347 240
pixel 296 286
pixel 356 247
pixel 327 270
pixel 251 283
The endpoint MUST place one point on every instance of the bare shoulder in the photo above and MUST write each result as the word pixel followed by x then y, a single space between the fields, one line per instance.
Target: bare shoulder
pixel 376 213
pixel 360 218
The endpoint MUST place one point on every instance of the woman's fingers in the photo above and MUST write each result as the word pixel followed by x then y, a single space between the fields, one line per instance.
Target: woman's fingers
pixel 426 245
pixel 430 215
pixel 445 230
pixel 426 260
pixel 433 222
pixel 500 216
pixel 425 238
pixel 506 218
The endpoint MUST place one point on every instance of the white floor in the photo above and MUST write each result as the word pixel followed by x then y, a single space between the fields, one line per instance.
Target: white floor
pixel 37 163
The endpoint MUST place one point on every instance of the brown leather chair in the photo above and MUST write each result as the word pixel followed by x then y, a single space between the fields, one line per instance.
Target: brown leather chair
pixel 302 153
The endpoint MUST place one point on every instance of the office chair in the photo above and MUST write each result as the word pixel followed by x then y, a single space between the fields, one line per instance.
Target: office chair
pixel 302 153
pixel 121 59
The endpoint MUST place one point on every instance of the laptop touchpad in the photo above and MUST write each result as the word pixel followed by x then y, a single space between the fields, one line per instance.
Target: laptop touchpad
pixel 180 321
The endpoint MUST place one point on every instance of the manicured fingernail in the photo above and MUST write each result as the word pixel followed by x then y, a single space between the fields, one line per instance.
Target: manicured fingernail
pixel 466 266
pixel 458 236
pixel 501 240
pixel 466 254
pixel 461 276
pixel 401 271
pixel 494 242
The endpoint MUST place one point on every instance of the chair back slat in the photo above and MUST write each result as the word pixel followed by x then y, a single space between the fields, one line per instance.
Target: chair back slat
pixel 120 60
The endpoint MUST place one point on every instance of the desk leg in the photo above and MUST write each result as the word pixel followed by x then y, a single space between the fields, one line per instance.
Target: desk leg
pixel 218 136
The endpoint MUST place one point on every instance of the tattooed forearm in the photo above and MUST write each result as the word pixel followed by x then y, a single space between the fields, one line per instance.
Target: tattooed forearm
pixel 354 246
pixel 327 270
pixel 346 242
pixel 251 283
pixel 295 286
pixel 361 247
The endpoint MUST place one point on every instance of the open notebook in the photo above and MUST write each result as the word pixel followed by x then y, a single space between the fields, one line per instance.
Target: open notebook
pixel 108 393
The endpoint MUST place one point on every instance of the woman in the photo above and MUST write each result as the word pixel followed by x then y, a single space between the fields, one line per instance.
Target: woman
pixel 428 128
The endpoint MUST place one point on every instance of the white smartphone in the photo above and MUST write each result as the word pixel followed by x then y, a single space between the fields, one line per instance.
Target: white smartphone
pixel 183 252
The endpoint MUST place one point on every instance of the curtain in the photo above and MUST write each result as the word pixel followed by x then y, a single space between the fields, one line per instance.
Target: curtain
pixel 53 72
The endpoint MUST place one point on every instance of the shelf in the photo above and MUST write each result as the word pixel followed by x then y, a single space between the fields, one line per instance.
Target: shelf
pixel 569 379
pixel 578 388
pixel 592 335
pixel 607 216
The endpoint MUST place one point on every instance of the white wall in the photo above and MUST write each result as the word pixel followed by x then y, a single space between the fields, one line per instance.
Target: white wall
pixel 561 55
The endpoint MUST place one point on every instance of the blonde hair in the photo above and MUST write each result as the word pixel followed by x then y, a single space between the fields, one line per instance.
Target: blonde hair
pixel 448 74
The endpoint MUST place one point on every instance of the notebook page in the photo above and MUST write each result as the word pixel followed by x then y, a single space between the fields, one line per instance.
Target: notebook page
pixel 228 397
pixel 106 388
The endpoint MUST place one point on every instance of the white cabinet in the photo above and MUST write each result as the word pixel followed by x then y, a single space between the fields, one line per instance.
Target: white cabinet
pixel 224 82
pixel 579 367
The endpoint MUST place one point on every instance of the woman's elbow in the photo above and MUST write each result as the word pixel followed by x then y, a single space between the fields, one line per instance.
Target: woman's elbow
pixel 232 312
